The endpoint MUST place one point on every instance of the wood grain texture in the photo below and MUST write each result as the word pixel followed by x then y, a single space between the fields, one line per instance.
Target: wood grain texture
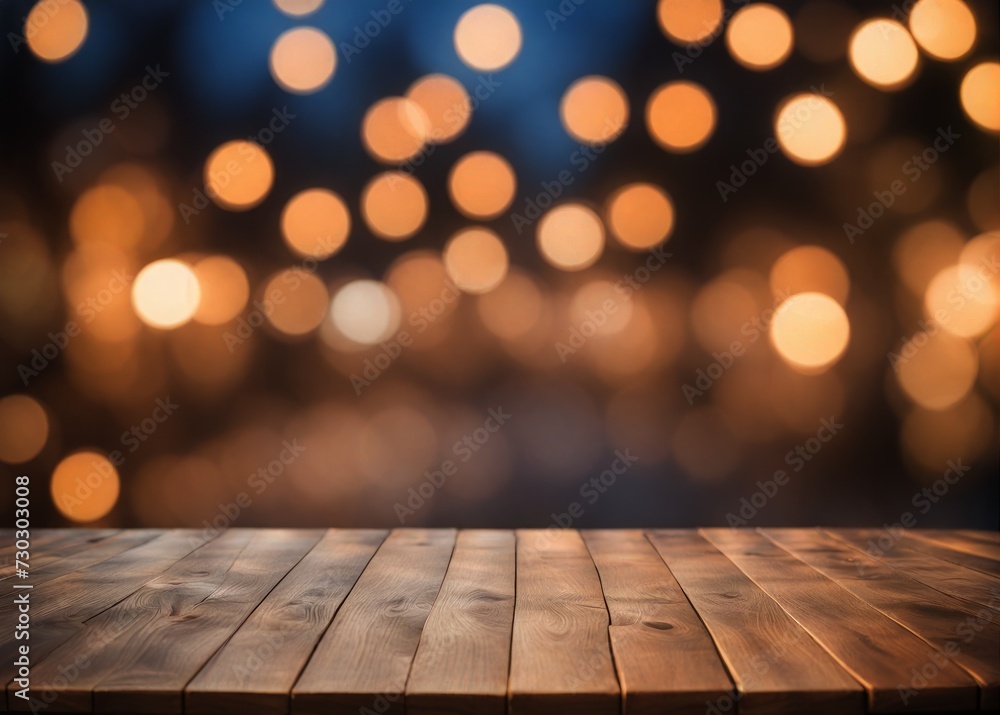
pixel 959 542
pixel 777 666
pixel 665 659
pixel 93 549
pixel 170 627
pixel 931 548
pixel 877 650
pixel 52 551
pixel 965 633
pixel 463 658
pixel 560 654
pixel 947 577
pixel 989 537
pixel 255 670
pixel 363 660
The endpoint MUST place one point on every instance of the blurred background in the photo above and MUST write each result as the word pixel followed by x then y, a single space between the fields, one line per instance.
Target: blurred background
pixel 574 262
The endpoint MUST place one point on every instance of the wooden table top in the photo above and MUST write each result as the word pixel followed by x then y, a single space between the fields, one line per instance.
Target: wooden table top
pixel 428 621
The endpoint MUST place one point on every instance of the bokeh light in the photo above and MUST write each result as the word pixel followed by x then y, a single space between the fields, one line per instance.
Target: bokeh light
pixel 166 294
pixel 883 53
pixel 570 237
pixel 962 300
pixel 394 205
pixel 680 116
pixel 476 260
pixel 936 370
pixel 224 288
pixel 640 216
pixel 56 30
pixel 689 21
pixel 85 486
pixel 810 269
pixel 298 8
pixel 238 175
pixel 482 184
pixel 303 60
pixel 759 36
pixel 365 311
pixel 298 301
pixel 945 29
pixel 932 437
pixel 315 223
pixel 107 213
pixel 514 307
pixel 599 297
pixel 594 110
pixel 922 250
pixel 810 331
pixel 24 428
pixel 810 129
pixel 395 130
pixel 980 93
pixel 488 37
pixel 445 103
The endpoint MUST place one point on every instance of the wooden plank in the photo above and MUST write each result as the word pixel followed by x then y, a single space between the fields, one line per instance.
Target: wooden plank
pixel 364 658
pixel 902 537
pixel 69 543
pixel 80 555
pixel 168 629
pixel 256 669
pixel 59 609
pixel 775 663
pixel 878 651
pixel 462 661
pixel 965 634
pixel 665 659
pixel 989 537
pixel 947 577
pixel 560 657
pixel 959 542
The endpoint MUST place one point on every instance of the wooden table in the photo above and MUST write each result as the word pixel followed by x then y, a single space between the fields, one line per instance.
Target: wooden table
pixel 532 621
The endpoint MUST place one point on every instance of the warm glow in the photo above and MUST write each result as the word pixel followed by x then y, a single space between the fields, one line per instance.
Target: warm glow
pixel 981 95
pixel 759 36
pixel 945 29
pixel 923 250
pixel 476 260
pixel 810 269
pixel 24 428
pixel 482 184
pixel 395 129
pixel 107 213
pixel 55 30
pixel 298 299
pixel 224 290
pixel 418 279
pixel 722 307
pixel 315 223
pixel 166 294
pixel 883 54
pixel 680 116
pixel 85 486
pixel 514 307
pixel 594 110
pixel 688 21
pixel 570 237
pixel 962 300
pixel 810 331
pixel 394 205
pixel 365 311
pixel 936 371
pixel 640 216
pixel 298 8
pixel 932 437
pixel 810 129
pixel 445 103
pixel 238 175
pixel 487 37
pixel 599 297
pixel 303 60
